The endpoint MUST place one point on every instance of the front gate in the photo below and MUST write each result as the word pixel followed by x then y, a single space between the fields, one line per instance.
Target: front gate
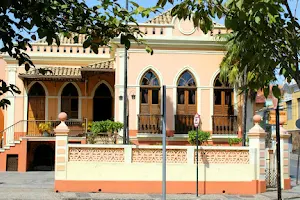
pixel 271 173
pixel 12 163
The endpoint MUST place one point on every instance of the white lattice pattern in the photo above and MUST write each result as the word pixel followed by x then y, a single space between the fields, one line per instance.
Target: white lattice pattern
pixel 96 154
pixel 223 157
pixel 155 155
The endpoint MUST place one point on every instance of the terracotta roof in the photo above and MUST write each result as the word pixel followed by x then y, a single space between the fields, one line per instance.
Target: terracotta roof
pixel 54 72
pixel 64 40
pixel 104 65
pixel 163 18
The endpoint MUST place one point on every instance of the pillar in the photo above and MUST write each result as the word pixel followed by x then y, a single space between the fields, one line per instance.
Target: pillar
pixel 284 157
pixel 61 148
pixel 256 137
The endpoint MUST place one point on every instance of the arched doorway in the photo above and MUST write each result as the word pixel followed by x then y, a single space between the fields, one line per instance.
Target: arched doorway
pixel 43 158
pixel 186 103
pixel 224 121
pixel 36 107
pixel 150 111
pixel 69 101
pixel 102 101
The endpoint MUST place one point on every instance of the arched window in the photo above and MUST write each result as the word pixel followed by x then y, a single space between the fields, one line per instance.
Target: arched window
pixel 69 101
pixel 36 90
pixel 223 98
pixel 150 93
pixel 186 94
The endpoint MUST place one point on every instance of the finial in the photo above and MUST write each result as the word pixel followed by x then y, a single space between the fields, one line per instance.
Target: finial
pixel 257 119
pixel 62 116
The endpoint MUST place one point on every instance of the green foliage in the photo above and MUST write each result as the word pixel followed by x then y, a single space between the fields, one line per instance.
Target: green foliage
pixel 106 126
pixel 232 141
pixel 49 19
pixel 265 37
pixel 91 138
pixel 45 127
pixel 202 137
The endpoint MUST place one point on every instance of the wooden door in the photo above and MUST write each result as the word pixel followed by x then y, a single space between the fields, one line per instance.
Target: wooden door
pixel 36 111
pixel 150 101
pixel 186 101
pixel 12 163
pixel 150 109
pixel 223 102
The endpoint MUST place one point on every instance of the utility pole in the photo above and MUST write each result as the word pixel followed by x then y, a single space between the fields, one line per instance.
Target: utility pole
pixel 125 129
pixel 278 153
pixel 245 108
pixel 164 143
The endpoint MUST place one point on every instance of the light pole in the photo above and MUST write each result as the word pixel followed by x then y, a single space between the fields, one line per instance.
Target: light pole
pixel 125 129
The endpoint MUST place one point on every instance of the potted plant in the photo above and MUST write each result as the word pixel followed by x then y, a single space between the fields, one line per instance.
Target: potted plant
pixel 89 126
pixel 45 128
pixel 106 128
pixel 203 136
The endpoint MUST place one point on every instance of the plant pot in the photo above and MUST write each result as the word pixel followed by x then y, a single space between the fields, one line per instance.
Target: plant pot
pixel 46 134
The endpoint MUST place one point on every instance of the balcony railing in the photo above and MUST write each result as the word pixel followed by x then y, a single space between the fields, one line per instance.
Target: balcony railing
pixel 184 123
pixel 150 124
pixel 225 125
pixel 30 128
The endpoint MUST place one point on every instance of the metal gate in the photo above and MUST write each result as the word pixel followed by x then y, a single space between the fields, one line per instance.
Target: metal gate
pixel 12 163
pixel 271 178
pixel 271 173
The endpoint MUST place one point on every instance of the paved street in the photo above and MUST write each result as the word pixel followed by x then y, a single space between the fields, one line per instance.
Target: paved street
pixel 39 186
pixel 293 166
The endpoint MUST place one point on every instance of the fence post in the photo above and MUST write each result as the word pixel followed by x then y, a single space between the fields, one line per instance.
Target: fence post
pixel 61 148
pixel 285 157
pixel 256 137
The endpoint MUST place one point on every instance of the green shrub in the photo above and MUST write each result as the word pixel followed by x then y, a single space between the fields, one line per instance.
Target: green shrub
pixel 203 136
pixel 232 141
pixel 106 126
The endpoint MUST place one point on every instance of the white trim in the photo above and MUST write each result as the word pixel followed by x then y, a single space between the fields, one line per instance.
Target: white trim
pixel 191 70
pixel 211 94
pixel 10 115
pixel 138 80
pixel 175 81
pixel 106 84
pixel 79 98
pixel 186 32
pixel 200 52
pixel 214 76
pixel 46 98
pixel 143 71
pixel 168 87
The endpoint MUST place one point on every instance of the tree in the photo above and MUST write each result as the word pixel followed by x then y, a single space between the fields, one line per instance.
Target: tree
pixel 23 21
pixel 267 30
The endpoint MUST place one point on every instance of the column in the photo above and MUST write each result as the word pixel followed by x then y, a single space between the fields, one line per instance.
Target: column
pixel 257 153
pixel 10 116
pixel 61 148
pixel 284 157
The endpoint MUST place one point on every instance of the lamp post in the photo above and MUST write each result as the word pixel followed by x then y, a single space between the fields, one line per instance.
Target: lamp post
pixel 125 129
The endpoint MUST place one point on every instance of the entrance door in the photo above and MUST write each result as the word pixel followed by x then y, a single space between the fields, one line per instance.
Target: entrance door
pixel 103 103
pixel 12 163
pixel 36 108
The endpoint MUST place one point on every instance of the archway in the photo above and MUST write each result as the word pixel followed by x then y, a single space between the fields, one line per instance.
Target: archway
pixel 186 103
pixel 44 158
pixel 36 107
pixel 224 121
pixel 102 101
pixel 69 101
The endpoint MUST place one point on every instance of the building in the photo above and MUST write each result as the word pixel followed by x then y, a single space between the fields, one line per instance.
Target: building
pixel 91 86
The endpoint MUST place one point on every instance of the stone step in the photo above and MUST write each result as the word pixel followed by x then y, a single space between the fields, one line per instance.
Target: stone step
pixel 6 147
pixel 2 150
pixel 17 142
